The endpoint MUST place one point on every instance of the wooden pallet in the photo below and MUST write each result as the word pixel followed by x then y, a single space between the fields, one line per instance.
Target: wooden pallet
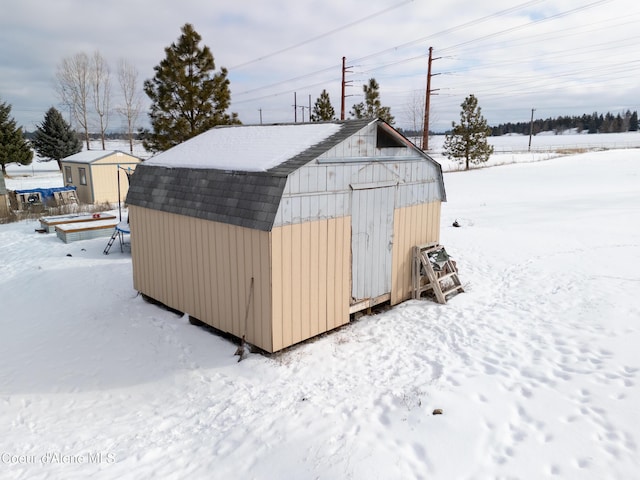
pixel 434 270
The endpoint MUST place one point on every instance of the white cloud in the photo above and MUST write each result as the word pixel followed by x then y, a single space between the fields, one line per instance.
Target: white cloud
pixel 566 57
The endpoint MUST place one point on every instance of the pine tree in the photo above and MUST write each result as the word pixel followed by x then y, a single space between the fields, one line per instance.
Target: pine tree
pixel 467 142
pixel 187 97
pixel 633 121
pixel 323 110
pixel 372 107
pixel 593 123
pixel 13 147
pixel 54 139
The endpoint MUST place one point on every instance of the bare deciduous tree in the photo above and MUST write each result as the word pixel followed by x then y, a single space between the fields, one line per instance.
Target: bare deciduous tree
pixel 130 109
pixel 101 91
pixel 415 113
pixel 73 81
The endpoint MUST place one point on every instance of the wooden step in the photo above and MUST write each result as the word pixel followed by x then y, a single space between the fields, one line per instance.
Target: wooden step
pixel 448 275
pixel 453 289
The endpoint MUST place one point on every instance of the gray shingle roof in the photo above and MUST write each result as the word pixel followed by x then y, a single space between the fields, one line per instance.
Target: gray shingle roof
pixel 247 199
pixel 238 198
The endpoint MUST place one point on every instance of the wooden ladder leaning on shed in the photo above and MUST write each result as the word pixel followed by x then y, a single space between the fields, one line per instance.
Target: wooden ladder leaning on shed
pixel 434 270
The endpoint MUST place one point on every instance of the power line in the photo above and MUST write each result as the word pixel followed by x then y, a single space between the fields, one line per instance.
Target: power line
pixel 454 29
pixel 526 25
pixel 449 30
pixel 397 47
pixel 318 37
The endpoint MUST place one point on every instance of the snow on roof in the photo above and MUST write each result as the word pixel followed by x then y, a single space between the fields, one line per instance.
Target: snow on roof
pixel 253 148
pixel 88 156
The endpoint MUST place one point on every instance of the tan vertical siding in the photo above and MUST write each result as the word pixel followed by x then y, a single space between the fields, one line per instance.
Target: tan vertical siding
pixel 301 272
pixel 296 281
pixel 104 179
pixel 104 175
pixel 323 273
pixel 310 278
pixel 4 205
pixel 277 282
pixel 204 269
pixel 412 226
pixel 216 232
pixel 263 295
pixel 285 289
pixel 313 301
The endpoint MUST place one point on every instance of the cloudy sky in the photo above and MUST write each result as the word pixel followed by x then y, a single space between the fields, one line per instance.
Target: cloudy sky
pixel 559 57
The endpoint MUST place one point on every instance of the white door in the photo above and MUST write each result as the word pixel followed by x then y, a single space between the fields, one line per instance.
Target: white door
pixel 371 241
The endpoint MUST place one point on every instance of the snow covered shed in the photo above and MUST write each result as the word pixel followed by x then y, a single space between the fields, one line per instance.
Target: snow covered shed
pixel 94 173
pixel 279 232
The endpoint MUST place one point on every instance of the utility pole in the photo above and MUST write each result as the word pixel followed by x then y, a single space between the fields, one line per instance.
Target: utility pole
pixel 531 128
pixel 295 108
pixel 260 110
pixel 309 107
pixel 427 102
pixel 344 85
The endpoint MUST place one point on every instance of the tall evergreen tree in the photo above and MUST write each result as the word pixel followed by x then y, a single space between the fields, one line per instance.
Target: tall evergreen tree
pixel 467 142
pixel 372 106
pixel 187 97
pixel 633 121
pixel 13 147
pixel 54 139
pixel 323 110
pixel 593 123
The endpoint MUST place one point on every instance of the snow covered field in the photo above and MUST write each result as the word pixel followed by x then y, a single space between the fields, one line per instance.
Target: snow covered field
pixel 536 366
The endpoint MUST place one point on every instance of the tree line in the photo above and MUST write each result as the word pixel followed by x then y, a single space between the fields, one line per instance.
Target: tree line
pixel 592 123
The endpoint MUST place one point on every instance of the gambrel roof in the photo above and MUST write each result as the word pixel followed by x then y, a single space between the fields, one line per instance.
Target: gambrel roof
pixel 237 174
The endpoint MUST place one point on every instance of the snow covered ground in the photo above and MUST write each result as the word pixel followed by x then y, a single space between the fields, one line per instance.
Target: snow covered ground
pixel 536 366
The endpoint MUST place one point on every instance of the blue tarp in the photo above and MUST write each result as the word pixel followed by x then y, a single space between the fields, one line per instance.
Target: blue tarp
pixel 46 193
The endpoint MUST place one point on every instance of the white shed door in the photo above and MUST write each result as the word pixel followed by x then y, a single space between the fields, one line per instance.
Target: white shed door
pixel 371 241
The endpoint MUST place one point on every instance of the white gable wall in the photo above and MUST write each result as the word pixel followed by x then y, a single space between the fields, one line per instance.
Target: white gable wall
pixel 319 191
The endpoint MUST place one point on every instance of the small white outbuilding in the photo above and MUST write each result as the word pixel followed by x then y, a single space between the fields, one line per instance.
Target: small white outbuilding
pixel 94 173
